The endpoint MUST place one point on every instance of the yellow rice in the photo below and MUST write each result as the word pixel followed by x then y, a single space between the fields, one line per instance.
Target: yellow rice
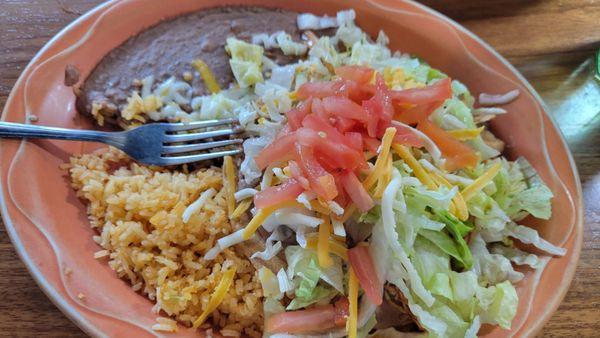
pixel 137 211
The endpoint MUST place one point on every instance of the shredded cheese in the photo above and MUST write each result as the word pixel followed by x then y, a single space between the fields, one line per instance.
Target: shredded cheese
pixel 384 180
pixel 217 296
pixel 352 323
pixel 241 208
pixel 465 134
pixel 336 247
pixel 263 214
pixel 338 228
pixel 380 163
pixel 229 183
pixel 481 181
pixel 323 244
pixel 369 155
pixel 350 209
pixel 198 204
pixel 461 211
pixel 207 76
pixel 412 162
pixel 318 207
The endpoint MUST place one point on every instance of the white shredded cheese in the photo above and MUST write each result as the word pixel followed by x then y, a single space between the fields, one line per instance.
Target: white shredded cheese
pixel 335 208
pixel 198 204
pixel 338 227
pixel 245 193
pixel 498 99
pixel 279 174
pixel 489 111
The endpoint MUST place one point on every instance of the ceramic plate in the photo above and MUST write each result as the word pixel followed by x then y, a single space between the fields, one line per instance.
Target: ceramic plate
pixel 48 225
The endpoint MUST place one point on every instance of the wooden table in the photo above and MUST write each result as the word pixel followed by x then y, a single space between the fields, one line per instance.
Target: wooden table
pixel 551 42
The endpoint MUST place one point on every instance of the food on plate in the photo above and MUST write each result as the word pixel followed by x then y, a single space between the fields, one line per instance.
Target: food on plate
pixel 153 224
pixel 372 196
pixel 158 61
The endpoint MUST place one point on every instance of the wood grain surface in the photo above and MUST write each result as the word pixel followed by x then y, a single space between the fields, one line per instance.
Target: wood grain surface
pixel 551 42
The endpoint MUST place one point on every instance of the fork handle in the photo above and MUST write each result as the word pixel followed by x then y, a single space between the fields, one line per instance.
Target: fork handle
pixel 18 130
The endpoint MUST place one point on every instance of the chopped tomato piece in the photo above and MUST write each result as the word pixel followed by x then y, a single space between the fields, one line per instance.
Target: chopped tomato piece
pixel 342 198
pixel 405 135
pixel 343 124
pixel 341 106
pixel 358 74
pixel 371 143
pixel 329 132
pixel 318 89
pixel 336 154
pixel 437 92
pixel 354 91
pixel 415 105
pixel 362 264
pixel 342 308
pixel 319 318
pixel 354 140
pixel 379 108
pixel 415 114
pixel 287 191
pixel 318 110
pixel 281 149
pixel 458 155
pixel 320 124
pixel 321 182
pixel 296 115
pixel 356 191
pixel 298 175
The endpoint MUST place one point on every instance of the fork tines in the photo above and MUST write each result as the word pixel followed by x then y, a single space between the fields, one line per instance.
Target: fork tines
pixel 180 138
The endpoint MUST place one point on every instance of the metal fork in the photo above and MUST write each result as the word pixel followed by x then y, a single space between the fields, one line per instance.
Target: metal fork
pixel 154 144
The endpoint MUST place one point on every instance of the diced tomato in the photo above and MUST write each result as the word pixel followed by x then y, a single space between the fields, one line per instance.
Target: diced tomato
pixel 343 124
pixel 298 174
pixel 318 89
pixel 415 105
pixel 458 155
pixel 354 91
pixel 415 114
pixel 354 140
pixel 362 264
pixel 342 310
pixel 319 318
pixel 405 135
pixel 437 92
pixel 318 110
pixel 331 133
pixel 379 107
pixel 355 190
pixel 371 143
pixel 342 198
pixel 287 191
pixel 337 155
pixel 321 182
pixel 296 115
pixel 358 74
pixel 281 149
pixel 341 106
pixel 319 124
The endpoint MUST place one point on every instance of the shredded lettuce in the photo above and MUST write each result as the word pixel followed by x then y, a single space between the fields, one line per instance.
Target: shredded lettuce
pixel 520 195
pixel 306 275
pixel 491 268
pixel 458 230
pixel 452 287
pixel 503 300
pixel 245 61
pixel 517 256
